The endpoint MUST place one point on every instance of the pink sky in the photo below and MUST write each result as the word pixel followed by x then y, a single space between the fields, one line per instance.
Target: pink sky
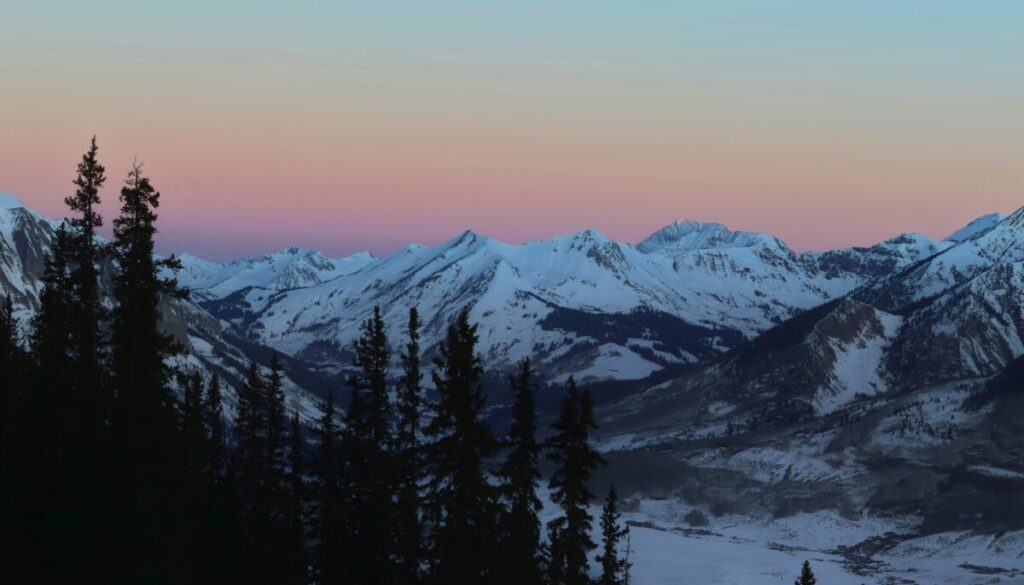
pixel 356 129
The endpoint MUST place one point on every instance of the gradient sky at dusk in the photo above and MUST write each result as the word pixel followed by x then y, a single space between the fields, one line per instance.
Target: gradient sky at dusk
pixel 345 126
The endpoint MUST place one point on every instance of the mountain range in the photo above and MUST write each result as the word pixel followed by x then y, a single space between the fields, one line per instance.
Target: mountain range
pixel 882 384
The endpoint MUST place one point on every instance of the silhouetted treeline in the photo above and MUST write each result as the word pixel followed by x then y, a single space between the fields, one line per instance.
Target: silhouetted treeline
pixel 119 468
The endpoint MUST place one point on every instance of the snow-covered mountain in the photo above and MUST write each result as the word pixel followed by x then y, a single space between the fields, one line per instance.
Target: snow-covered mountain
pixel 24 243
pixel 588 306
pixel 899 401
pixel 579 304
pixel 289 268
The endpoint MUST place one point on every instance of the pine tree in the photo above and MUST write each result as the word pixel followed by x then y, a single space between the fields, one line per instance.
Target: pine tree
pixel 284 544
pixel 249 469
pixel 408 546
pixel 217 538
pixel 139 346
pixel 10 348
pixel 276 420
pixel 463 504
pixel 806 575
pixel 81 505
pixel 48 499
pixel 520 527
pixel 193 425
pixel 368 480
pixel 614 570
pixel 86 321
pixel 295 527
pixel 12 372
pixel 50 336
pixel 327 528
pixel 576 459
pixel 151 462
pixel 213 415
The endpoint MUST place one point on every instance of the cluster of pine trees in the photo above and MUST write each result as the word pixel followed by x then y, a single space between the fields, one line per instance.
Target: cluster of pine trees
pixel 119 468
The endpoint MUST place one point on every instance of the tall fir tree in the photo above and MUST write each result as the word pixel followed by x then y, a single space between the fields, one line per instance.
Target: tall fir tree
pixel 45 506
pixel 213 414
pixel 250 475
pixel 806 575
pixel 368 482
pixel 614 565
pixel 575 460
pixel 50 337
pixel 86 321
pixel 217 537
pixel 463 505
pixel 327 527
pixel 13 399
pixel 295 522
pixel 143 415
pixel 194 429
pixel 12 372
pixel 85 390
pixel 139 345
pixel 276 420
pixel 10 346
pixel 520 526
pixel 409 530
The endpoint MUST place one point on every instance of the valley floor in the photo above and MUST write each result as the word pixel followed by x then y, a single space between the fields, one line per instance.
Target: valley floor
pixel 748 551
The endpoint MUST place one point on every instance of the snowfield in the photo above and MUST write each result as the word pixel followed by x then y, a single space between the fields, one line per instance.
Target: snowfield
pixel 745 551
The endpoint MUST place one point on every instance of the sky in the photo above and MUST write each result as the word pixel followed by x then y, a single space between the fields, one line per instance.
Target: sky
pixel 347 126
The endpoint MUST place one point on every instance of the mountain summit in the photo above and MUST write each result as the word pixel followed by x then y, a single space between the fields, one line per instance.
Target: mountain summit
pixel 687 235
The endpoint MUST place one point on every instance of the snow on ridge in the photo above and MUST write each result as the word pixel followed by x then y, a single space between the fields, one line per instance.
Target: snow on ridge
pixel 689 235
pixel 978 226
pixel 8 201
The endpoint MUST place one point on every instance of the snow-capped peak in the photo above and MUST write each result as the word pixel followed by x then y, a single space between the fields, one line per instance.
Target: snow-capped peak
pixel 8 201
pixel 975 228
pixel 1016 218
pixel 687 235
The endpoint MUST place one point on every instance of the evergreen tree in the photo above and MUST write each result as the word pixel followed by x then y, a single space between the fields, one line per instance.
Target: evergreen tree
pixel 139 346
pixel 251 476
pixel 270 550
pixel 193 425
pixel 75 393
pixel 213 415
pixel 368 480
pixel 463 504
pixel 327 528
pixel 47 503
pixel 520 527
pixel 13 399
pixel 151 462
pixel 10 348
pixel 576 459
pixel 806 575
pixel 12 372
pixel 217 546
pixel 86 321
pixel 250 430
pixel 276 420
pixel 50 336
pixel 614 570
pixel 408 545
pixel 295 527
